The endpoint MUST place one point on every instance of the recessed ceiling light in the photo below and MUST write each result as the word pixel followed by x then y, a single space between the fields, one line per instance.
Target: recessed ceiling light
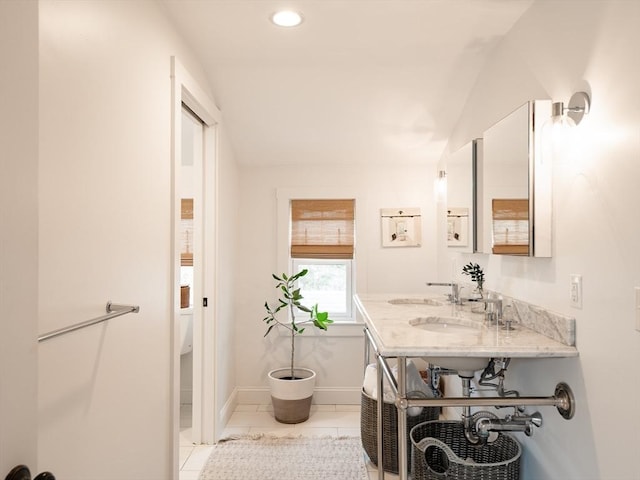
pixel 286 18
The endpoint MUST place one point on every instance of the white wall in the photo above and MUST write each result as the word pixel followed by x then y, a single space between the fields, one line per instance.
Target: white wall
pixel 105 231
pixel 558 48
pixel 226 267
pixel 18 234
pixel 105 127
pixel 338 360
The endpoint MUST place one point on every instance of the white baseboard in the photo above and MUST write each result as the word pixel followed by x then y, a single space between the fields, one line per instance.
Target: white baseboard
pixel 321 396
pixel 253 396
pixel 227 410
pixel 337 396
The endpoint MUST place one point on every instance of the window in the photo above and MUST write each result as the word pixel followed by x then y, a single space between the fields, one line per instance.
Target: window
pixel 322 241
pixel 328 284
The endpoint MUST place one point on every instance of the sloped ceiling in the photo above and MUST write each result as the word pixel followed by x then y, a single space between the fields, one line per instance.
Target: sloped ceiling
pixel 360 81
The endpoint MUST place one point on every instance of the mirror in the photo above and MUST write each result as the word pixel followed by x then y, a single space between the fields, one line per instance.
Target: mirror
pixel 461 195
pixel 516 184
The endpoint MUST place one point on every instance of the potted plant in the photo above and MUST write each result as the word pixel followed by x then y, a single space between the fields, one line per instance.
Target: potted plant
pixel 292 387
pixel 477 275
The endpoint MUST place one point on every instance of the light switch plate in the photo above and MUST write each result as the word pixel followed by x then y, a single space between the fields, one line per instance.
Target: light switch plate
pixel 575 290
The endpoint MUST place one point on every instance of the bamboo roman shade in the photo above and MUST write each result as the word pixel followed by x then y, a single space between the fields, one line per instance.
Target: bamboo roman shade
pixel 510 226
pixel 186 218
pixel 322 228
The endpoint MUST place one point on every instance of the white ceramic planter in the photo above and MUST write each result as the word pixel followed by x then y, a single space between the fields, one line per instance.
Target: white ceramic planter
pixel 291 399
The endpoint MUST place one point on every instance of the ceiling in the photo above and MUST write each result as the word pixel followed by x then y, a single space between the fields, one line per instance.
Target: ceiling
pixel 359 82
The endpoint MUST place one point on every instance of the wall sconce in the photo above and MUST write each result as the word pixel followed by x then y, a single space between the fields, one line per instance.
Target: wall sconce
pixel 441 186
pixel 572 114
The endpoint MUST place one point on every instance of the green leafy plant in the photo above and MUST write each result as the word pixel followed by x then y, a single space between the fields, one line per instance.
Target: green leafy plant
pixel 477 275
pixel 290 301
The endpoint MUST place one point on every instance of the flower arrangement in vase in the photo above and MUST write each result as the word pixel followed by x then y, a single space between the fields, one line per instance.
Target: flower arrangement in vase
pixel 477 275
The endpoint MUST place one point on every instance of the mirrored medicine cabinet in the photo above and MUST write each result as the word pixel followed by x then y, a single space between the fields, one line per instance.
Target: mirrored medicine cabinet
pixel 514 185
pixel 462 211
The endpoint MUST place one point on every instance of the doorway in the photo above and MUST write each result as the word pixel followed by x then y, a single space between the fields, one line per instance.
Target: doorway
pixel 191 265
pixel 194 141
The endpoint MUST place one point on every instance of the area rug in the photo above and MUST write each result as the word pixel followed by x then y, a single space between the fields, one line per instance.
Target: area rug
pixel 266 457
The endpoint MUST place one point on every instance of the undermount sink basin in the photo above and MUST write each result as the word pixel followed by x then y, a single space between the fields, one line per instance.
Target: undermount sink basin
pixel 452 325
pixel 465 366
pixel 417 301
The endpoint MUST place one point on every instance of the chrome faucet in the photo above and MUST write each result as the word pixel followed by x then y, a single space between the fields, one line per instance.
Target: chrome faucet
pixel 454 296
pixel 494 317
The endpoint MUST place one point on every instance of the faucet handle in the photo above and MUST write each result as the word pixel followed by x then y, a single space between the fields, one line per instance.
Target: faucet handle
pixel 490 317
pixel 454 296
pixel 507 316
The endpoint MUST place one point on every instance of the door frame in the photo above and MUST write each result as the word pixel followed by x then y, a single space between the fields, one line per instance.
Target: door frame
pixel 186 90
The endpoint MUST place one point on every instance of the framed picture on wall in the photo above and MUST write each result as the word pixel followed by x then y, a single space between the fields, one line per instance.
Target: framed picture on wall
pixel 457 227
pixel 401 227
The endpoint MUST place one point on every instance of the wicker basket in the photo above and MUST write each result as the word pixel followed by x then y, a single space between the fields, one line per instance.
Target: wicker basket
pixel 369 426
pixel 185 292
pixel 440 450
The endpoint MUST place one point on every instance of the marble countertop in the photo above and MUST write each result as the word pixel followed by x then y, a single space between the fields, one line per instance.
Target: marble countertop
pixel 388 318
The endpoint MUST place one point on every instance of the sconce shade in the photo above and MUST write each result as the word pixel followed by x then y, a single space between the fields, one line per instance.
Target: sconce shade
pixel 573 113
pixel 578 107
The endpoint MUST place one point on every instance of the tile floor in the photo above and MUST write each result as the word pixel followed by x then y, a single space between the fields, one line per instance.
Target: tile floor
pixel 324 420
